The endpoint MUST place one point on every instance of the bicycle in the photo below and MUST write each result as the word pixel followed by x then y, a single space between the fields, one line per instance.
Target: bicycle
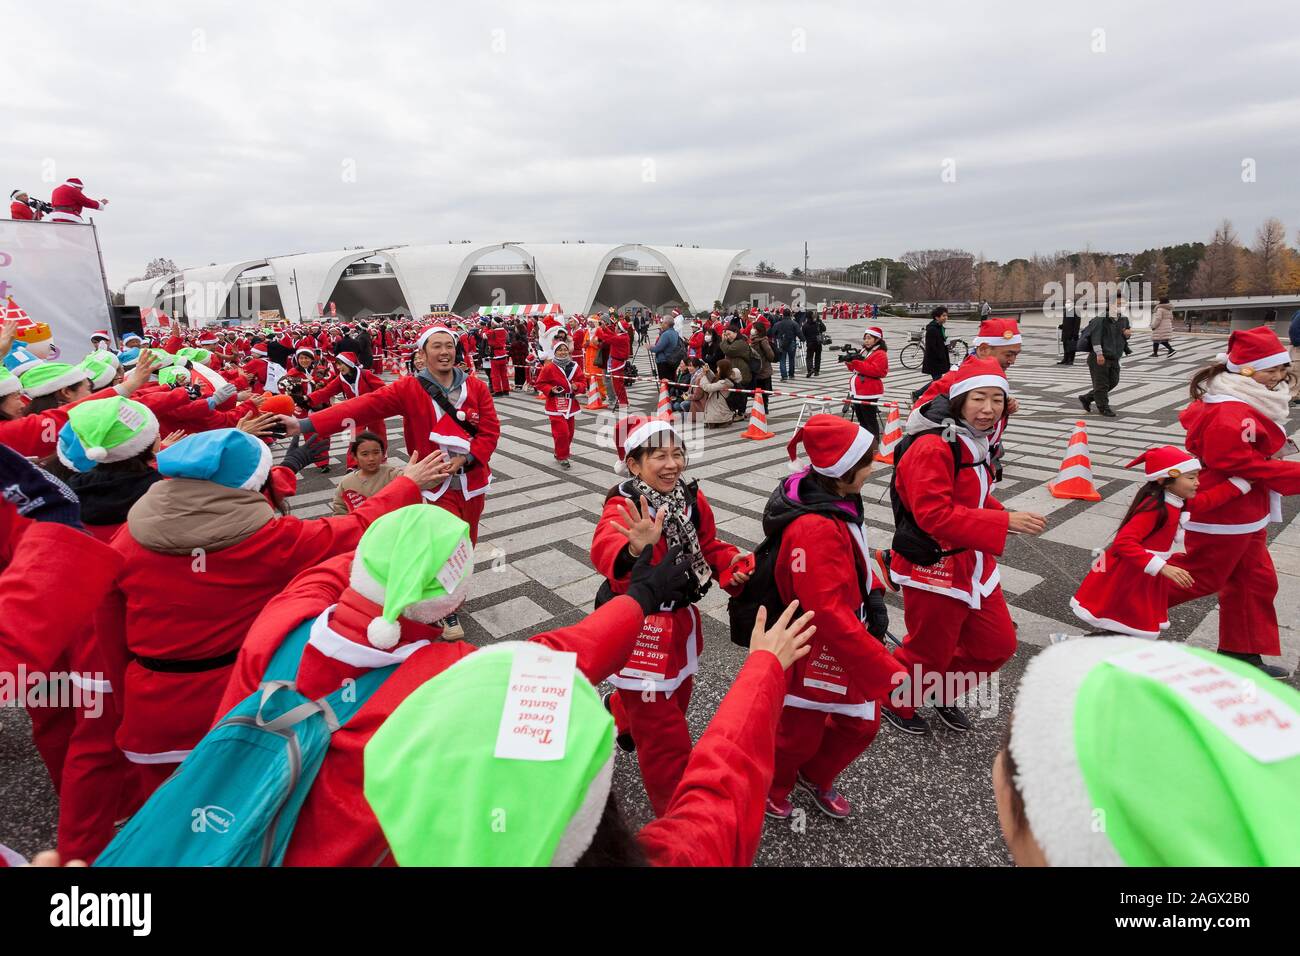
pixel 913 353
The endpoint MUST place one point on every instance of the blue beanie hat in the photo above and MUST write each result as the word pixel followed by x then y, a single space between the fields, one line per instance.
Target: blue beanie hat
pixel 226 456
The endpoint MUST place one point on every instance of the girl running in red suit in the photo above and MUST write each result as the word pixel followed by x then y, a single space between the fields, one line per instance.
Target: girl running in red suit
pixel 958 626
pixel 461 422
pixel 655 508
pixel 1237 427
pixel 562 382
pixel 830 715
pixel 869 371
pixel 614 334
pixel 1127 591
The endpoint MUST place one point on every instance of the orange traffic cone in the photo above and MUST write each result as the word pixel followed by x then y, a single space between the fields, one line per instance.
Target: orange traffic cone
pixel 892 436
pixel 757 429
pixel 665 407
pixel 1074 480
pixel 594 402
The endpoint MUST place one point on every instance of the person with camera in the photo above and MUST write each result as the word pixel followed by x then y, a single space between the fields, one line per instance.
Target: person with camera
pixel 948 530
pixel 869 365
pixel 812 329
pixel 23 207
pixel 656 508
pixel 823 563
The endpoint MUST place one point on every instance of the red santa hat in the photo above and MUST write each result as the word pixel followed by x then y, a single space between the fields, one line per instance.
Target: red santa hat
pixel 834 445
pixel 207 338
pixel 304 350
pixel 448 434
pixel 259 350
pixel 438 327
pixel 874 330
pixel 998 332
pixel 634 431
pixel 306 343
pixel 1253 350
pixel 74 181
pixel 101 334
pixel 1166 461
pixel 979 373
pixel 286 341
pixel 348 358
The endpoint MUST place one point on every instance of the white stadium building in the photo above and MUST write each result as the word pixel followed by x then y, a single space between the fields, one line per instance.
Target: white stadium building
pixel 581 277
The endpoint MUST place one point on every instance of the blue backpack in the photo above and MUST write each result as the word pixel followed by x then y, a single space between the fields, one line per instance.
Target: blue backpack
pixel 235 799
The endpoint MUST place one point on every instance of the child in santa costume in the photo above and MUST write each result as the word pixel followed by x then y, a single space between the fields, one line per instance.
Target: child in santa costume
pixel 1127 591
pixel 256 367
pixel 823 562
pixel 372 473
pixel 352 380
pixel 209 538
pixel 868 382
pixel 378 608
pixel 562 382
pixel 1124 752
pixel 655 509
pixel 1237 427
pixel 466 430
pixel 958 626
pixel 436 766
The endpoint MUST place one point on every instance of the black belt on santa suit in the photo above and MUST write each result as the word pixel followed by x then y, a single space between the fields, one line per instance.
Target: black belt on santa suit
pixel 194 666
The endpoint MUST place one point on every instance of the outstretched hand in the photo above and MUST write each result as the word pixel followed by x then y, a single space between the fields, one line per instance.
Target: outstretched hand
pixel 787 639
pixel 641 530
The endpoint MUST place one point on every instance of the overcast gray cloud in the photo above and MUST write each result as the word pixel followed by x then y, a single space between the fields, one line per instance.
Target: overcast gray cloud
pixel 226 131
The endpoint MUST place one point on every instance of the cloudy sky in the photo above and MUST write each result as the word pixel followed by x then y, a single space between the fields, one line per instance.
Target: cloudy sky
pixel 225 131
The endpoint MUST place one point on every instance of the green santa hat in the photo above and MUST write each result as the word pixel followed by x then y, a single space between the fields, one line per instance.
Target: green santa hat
pixel 100 370
pixel 447 787
pixel 48 377
pixel 173 375
pixel 105 430
pixel 8 382
pixel 416 562
pixel 1150 753
pixel 201 356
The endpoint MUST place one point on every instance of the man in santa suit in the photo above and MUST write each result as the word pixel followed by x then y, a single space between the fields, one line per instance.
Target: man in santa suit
pixel 614 333
pixel 69 201
pixel 19 209
pixel 442 410
pixel 499 343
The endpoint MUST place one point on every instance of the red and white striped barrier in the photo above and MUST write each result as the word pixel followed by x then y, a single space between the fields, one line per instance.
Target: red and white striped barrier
pixel 892 436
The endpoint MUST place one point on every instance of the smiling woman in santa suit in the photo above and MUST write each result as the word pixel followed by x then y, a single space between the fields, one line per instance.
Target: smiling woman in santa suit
pixel 654 507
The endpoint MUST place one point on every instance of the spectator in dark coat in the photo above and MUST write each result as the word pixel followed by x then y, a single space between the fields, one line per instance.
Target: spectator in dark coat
pixel 366 347
pixel 936 361
pixel 785 334
pixel 812 330
pixel 1069 332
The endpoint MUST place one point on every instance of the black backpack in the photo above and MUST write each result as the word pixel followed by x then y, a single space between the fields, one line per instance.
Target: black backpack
pixel 910 540
pixel 761 590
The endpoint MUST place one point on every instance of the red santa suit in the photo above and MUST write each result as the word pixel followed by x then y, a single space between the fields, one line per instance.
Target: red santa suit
pixel 696 346
pixel 176 411
pixel 357 381
pixel 830 715
pixel 426 428
pixel 1227 548
pixel 35 436
pixel 667 652
pixel 336 826
pixel 499 343
pixel 1126 593
pixel 620 349
pixel 562 386
pixel 869 373
pixel 957 619
pixel 20 210
pixel 69 202
pixel 161 609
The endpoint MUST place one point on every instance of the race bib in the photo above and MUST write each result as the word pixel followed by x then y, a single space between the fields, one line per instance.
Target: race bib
pixel 938 575
pixel 651 652
pixel 825 673
pixel 562 404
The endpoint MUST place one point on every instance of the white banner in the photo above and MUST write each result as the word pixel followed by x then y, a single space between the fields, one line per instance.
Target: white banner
pixel 52 271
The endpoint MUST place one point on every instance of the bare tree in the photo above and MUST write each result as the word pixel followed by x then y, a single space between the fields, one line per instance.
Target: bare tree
pixel 1219 269
pixel 940 275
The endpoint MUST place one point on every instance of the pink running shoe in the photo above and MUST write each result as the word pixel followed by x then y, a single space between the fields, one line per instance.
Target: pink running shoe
pixel 779 809
pixel 829 801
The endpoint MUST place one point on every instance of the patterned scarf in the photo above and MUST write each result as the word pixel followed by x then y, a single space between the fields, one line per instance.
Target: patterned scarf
pixel 677 527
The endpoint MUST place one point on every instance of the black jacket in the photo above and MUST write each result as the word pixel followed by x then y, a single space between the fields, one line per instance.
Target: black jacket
pixel 783 333
pixel 936 360
pixel 1106 332
pixel 106 495
pixel 812 330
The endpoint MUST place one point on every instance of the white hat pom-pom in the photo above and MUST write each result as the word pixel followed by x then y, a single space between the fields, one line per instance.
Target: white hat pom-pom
pixel 1221 358
pixel 95 453
pixel 795 465
pixel 383 634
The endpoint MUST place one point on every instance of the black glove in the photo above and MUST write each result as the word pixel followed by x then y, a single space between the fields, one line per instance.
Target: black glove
pixel 303 453
pixel 877 614
pixel 35 492
pixel 654 585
